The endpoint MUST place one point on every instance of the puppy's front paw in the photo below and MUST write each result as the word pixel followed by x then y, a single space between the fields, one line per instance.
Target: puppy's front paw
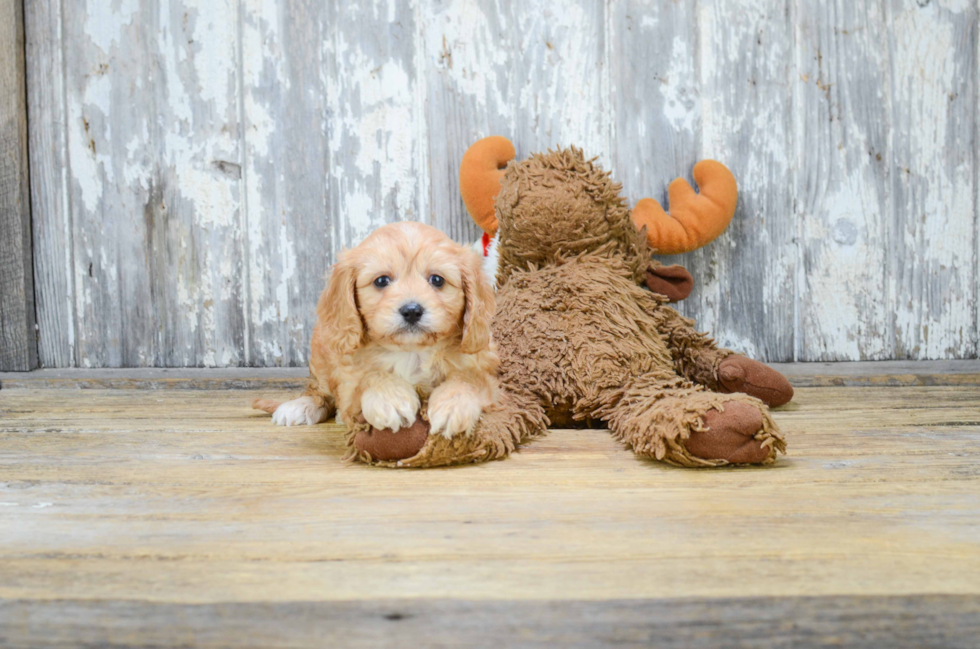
pixel 299 412
pixel 390 406
pixel 454 410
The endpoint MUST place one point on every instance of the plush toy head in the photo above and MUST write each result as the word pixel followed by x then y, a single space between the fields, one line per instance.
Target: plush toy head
pixel 559 203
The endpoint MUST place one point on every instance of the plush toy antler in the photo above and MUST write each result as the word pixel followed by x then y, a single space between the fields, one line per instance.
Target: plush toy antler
pixel 694 219
pixel 480 172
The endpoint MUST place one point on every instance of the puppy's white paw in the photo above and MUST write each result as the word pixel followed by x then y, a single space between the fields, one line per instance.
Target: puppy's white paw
pixel 453 410
pixel 299 412
pixel 390 405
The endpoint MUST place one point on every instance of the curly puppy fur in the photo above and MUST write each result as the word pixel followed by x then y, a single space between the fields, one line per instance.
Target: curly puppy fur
pixel 581 340
pixel 373 361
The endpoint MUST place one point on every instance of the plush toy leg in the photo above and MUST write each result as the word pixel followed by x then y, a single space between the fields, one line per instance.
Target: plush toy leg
pixel 689 426
pixel 513 420
pixel 697 358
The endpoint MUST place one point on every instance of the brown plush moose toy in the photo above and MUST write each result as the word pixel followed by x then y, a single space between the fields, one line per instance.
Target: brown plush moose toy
pixel 581 336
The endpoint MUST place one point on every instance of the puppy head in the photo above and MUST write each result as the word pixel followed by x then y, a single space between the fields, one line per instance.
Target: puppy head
pixel 410 286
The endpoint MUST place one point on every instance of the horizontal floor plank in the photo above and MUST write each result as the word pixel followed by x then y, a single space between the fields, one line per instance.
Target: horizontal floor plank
pixel 886 621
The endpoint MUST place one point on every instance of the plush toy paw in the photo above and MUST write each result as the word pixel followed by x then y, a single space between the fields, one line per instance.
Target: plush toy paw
pixel 673 282
pixel 730 435
pixel 740 374
pixel 497 434
pixel 389 445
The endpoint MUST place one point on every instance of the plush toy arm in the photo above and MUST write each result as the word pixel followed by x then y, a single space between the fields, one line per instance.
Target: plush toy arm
pixel 694 219
pixel 695 354
pixel 698 358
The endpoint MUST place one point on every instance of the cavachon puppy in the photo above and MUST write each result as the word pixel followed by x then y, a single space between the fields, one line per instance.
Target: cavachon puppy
pixel 405 317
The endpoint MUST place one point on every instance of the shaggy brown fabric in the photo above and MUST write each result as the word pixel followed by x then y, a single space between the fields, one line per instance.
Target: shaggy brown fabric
pixel 581 339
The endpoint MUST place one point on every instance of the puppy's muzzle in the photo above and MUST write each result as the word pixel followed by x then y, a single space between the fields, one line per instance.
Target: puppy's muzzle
pixel 412 313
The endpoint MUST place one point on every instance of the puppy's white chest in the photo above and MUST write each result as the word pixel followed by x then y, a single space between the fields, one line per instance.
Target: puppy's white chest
pixel 414 367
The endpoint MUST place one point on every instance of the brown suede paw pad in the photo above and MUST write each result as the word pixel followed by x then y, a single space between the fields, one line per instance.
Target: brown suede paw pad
pixel 730 435
pixel 740 374
pixel 388 446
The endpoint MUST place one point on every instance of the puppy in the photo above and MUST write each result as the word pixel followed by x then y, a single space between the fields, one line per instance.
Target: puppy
pixel 405 315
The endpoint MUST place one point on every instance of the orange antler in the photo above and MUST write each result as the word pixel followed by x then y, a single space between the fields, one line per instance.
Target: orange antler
pixel 479 178
pixel 694 219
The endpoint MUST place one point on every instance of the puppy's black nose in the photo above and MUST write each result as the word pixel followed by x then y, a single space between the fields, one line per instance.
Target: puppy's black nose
pixel 412 312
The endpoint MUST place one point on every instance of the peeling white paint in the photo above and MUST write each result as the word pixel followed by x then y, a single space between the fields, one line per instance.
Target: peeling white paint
pixel 104 21
pixel 931 297
pixel 681 105
pixel 398 90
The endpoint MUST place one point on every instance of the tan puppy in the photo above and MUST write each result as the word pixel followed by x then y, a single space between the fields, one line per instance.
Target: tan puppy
pixel 406 314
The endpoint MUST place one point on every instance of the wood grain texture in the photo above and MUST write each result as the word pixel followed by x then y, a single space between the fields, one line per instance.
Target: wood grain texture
pixel 277 133
pixel 909 621
pixel 18 341
pixel 934 68
pixel 289 232
pixel 534 73
pixel 376 125
pixel 51 221
pixel 844 201
pixel 155 189
pixel 746 58
pixel 125 508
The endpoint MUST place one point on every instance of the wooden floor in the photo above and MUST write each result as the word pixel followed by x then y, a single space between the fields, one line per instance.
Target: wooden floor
pixel 178 517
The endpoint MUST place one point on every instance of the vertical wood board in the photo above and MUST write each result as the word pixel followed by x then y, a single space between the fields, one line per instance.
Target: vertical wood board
pixel 842 193
pixel 18 342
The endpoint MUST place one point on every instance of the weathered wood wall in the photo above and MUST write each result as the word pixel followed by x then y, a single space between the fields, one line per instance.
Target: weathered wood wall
pixel 196 164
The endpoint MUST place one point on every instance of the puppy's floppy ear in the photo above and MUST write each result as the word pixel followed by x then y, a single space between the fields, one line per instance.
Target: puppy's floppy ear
pixel 481 303
pixel 337 308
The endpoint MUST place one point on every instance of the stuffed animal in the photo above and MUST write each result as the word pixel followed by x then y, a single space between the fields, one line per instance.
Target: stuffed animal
pixel 581 337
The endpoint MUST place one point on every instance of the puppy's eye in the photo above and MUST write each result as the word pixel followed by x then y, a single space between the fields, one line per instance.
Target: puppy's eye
pixel 437 280
pixel 382 281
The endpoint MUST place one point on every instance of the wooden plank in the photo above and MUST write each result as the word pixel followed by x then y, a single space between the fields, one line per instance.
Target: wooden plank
pixel 534 74
pixel 190 497
pixel 746 292
pixel 18 341
pixel 843 188
pixel 290 226
pixel 856 374
pixel 154 153
pixel 936 621
pixel 50 218
pixel 376 123
pixel 933 49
